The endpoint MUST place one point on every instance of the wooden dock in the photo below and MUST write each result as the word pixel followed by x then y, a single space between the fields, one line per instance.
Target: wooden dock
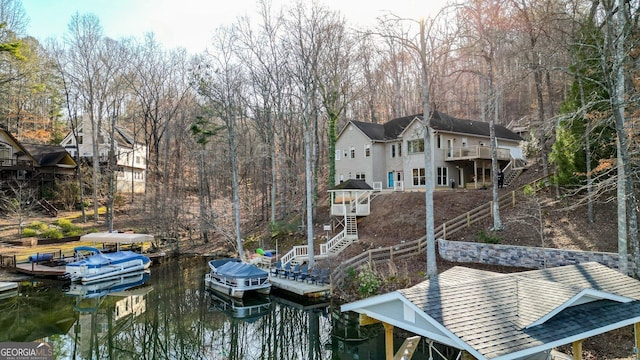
pixel 301 288
pixel 32 268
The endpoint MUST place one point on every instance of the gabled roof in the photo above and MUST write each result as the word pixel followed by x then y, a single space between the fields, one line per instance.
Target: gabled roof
pixel 507 316
pixel 392 129
pixel 352 184
pixel 50 155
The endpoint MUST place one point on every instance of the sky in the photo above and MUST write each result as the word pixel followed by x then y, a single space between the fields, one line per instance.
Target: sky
pixel 190 23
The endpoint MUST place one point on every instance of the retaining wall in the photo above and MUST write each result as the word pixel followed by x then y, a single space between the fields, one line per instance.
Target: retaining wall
pixel 520 256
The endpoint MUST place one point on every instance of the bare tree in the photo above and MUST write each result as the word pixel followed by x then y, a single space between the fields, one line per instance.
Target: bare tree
pixel 220 81
pixel 19 202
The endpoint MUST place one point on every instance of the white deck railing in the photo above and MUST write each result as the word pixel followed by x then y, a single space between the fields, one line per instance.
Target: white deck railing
pixel 326 248
pixel 297 251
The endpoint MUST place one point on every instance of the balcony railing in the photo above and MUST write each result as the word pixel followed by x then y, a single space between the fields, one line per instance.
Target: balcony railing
pixel 16 163
pixel 475 152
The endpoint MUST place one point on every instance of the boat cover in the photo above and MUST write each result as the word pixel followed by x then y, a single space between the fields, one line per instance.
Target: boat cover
pixel 241 270
pixel 101 259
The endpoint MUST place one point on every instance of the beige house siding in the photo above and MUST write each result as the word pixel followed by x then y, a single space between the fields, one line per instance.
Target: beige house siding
pixel 448 150
pixel 348 167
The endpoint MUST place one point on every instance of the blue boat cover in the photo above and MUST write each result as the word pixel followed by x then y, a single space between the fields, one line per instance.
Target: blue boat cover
pixel 241 270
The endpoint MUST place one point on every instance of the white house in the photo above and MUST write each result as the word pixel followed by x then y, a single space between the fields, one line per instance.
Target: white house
pixel 131 157
pixel 391 155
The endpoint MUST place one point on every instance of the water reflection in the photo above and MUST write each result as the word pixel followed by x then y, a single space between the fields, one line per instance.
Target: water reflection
pixel 169 315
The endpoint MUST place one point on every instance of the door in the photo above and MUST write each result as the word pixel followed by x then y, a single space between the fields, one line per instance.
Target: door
pixel 390 185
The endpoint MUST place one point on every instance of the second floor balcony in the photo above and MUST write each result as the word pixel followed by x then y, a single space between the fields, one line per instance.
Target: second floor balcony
pixel 474 153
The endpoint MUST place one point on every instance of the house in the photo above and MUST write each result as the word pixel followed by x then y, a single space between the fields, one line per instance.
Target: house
pixel 131 156
pixel 391 155
pixel 38 165
pixel 494 316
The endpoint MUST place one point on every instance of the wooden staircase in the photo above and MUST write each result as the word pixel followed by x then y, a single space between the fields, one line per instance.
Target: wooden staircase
pixel 348 235
pixel 48 208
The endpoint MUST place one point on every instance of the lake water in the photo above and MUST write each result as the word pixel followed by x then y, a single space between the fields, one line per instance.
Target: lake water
pixel 168 314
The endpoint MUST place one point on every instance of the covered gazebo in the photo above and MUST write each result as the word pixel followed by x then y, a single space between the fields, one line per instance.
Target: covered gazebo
pixel 351 197
pixel 494 316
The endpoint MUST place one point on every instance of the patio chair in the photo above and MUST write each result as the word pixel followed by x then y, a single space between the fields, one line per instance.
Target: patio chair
pixel 277 269
pixel 323 277
pixel 285 270
pixel 303 273
pixel 313 275
pixel 294 272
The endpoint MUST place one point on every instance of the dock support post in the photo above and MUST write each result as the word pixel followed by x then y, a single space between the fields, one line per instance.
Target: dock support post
pixel 388 341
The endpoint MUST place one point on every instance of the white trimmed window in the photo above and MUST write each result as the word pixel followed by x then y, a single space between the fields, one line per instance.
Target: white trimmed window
pixel 367 150
pixel 418 176
pixel 441 176
pixel 352 152
pixel 415 146
pixel 338 153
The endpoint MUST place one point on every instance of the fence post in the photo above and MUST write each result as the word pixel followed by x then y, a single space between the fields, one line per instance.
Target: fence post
pixel 513 198
pixel 444 230
pixel 468 218
pixel 370 259
pixel 491 208
pixel 391 253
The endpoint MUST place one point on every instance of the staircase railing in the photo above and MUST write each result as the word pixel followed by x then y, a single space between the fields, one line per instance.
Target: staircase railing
pixel 295 252
pixel 326 248
pixel 49 208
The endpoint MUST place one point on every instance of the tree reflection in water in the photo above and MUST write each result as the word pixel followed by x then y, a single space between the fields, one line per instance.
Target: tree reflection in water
pixel 172 316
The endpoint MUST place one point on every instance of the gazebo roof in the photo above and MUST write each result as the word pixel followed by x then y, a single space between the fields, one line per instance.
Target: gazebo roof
pixel 509 316
pixel 352 184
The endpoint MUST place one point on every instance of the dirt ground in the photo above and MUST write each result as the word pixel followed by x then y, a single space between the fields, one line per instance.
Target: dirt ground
pixel 542 221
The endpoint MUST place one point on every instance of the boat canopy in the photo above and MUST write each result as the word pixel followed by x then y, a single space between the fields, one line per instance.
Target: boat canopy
pixel 241 270
pixel 116 238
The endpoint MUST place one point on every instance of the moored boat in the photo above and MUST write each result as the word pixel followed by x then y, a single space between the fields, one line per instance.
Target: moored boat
pixel 93 265
pixel 234 278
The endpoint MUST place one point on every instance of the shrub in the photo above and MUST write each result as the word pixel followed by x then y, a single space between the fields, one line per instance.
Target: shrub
pixel 75 232
pixel 38 226
pixel 29 232
pixel 369 283
pixel 66 225
pixel 52 233
pixel 488 238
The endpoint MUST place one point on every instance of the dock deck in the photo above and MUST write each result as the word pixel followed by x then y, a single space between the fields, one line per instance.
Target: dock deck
pixel 301 288
pixel 40 269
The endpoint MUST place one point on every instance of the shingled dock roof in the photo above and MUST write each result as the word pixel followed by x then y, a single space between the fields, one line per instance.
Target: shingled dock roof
pixel 392 129
pixel 508 316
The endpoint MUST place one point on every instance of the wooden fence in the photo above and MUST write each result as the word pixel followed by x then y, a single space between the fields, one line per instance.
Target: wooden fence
pixel 414 247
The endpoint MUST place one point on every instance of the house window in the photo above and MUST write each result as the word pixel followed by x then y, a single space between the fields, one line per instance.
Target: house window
pixel 464 142
pixel 367 150
pixel 360 176
pixel 137 159
pixel 441 176
pixel 393 150
pixel 400 150
pixel 415 146
pixel 418 177
pixel 5 153
pixel 79 139
pixel 439 141
pixel 353 152
pixel 338 153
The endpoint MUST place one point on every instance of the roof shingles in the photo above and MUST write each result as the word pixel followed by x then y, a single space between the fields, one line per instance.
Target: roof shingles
pixel 491 312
